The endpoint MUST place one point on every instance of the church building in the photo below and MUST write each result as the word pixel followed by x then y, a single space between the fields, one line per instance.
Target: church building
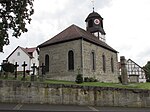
pixel 75 50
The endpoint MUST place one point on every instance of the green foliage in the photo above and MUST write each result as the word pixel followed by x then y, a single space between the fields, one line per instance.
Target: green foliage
pixel 8 67
pixel 119 78
pixel 90 79
pixel 79 79
pixel 147 71
pixel 14 15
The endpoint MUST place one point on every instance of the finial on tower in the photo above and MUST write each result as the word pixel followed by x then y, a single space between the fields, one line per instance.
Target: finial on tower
pixel 93 4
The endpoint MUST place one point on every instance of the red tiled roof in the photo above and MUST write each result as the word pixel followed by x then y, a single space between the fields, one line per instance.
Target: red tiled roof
pixel 26 50
pixel 30 49
pixel 73 33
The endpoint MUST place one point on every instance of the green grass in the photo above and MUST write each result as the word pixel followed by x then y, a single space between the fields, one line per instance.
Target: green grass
pixel 145 86
pixel 12 77
pixel 99 84
pixel 119 85
pixel 59 82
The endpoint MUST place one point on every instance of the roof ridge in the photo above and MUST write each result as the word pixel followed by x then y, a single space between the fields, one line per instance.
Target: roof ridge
pixel 24 49
pixel 77 30
pixel 74 32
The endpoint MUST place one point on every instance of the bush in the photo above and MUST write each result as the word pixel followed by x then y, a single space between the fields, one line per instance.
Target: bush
pixel 90 79
pixel 8 67
pixel 86 79
pixel 79 79
pixel 119 78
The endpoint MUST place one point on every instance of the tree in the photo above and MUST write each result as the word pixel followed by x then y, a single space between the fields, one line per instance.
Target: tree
pixel 8 67
pixel 147 71
pixel 14 15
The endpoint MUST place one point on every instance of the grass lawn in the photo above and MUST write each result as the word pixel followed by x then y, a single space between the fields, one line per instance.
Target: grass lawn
pixel 116 85
pixel 100 84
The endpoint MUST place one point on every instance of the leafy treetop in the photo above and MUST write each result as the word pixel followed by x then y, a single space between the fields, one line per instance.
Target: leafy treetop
pixel 14 15
pixel 147 71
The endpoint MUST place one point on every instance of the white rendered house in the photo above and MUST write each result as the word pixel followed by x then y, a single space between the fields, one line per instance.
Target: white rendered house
pixel 20 54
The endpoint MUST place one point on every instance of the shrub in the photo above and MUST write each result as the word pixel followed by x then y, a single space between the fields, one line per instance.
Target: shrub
pixel 90 79
pixel 8 67
pixel 119 78
pixel 86 79
pixel 79 79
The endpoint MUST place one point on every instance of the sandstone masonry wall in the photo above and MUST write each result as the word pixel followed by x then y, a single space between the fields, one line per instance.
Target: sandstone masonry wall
pixel 58 56
pixel 34 92
pixel 98 73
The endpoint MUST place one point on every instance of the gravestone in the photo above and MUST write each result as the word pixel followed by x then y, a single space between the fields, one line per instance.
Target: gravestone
pixel 134 78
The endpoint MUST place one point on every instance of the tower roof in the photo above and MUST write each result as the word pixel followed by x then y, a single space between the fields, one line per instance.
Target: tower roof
pixel 74 33
pixel 93 15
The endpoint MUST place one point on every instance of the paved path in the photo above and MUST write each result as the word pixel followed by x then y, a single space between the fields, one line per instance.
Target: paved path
pixel 6 107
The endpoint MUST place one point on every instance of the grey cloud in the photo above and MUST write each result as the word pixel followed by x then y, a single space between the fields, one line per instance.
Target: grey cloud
pixel 74 12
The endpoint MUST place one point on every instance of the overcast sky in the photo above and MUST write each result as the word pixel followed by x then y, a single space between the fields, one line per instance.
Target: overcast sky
pixel 126 23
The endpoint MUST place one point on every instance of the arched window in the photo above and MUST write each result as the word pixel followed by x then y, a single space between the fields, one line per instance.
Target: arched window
pixel 90 23
pixel 112 64
pixel 104 63
pixel 93 60
pixel 70 60
pixel 46 63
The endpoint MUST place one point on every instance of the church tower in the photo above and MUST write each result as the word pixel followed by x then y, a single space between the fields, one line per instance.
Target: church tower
pixel 94 25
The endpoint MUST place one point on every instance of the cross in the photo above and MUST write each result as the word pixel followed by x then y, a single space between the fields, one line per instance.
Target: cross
pixel 24 69
pixel 43 69
pixel 33 67
pixel 93 4
pixel 16 65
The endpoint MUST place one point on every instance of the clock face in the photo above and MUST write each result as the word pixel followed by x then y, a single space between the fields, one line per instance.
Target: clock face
pixel 96 21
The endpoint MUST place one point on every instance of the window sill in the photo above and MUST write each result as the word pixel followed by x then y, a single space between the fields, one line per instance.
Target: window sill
pixel 70 70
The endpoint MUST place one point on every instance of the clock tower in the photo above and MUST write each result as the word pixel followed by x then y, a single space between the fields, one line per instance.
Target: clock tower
pixel 94 25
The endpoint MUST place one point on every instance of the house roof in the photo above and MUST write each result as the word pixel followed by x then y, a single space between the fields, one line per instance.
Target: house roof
pixel 135 63
pixel 30 50
pixel 73 33
pixel 26 50
pixel 119 64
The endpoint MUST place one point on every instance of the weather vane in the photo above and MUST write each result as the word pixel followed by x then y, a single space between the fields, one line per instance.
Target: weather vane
pixel 93 4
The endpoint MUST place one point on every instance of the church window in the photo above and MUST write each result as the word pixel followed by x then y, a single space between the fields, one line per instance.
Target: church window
pixel 46 63
pixel 90 23
pixel 112 64
pixel 70 60
pixel 93 60
pixel 104 63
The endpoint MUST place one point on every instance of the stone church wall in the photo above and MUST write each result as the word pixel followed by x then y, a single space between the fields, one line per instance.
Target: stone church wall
pixel 98 73
pixel 35 92
pixel 58 56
